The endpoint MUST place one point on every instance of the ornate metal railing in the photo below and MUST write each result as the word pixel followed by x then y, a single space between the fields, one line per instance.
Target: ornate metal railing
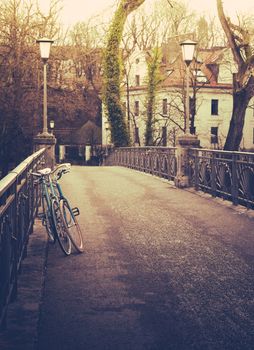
pixel 158 161
pixel 229 175
pixel 19 200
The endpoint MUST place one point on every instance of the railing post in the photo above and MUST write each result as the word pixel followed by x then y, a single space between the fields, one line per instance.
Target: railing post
pixel 213 175
pixel 48 142
pixel 196 170
pixel 235 182
pixel 184 143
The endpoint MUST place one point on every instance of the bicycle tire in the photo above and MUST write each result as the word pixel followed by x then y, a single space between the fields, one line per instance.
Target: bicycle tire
pixel 61 229
pixel 72 224
pixel 48 220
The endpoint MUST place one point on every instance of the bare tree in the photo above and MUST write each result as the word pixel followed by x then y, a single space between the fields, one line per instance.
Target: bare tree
pixel 21 23
pixel 239 41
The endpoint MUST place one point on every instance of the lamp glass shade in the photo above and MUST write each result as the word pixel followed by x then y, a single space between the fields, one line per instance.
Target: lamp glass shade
pixel 188 48
pixel 45 45
pixel 52 124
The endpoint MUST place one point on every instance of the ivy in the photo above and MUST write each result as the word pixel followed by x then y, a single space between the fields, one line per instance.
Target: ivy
pixel 154 78
pixel 112 73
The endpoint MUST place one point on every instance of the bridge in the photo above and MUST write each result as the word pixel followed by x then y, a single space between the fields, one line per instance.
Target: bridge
pixel 163 268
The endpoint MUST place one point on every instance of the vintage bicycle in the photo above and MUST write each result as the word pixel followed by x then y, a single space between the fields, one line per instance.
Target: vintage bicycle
pixel 57 215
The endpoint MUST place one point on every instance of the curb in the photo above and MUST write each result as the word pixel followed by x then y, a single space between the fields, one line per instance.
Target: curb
pixel 23 314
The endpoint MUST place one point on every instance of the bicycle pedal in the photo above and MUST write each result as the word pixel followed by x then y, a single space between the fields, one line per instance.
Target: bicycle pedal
pixel 75 211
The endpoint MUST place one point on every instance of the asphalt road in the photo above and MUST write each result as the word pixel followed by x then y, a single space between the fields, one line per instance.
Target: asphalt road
pixel 163 269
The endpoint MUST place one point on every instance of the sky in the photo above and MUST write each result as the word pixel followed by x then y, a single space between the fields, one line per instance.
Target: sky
pixel 81 10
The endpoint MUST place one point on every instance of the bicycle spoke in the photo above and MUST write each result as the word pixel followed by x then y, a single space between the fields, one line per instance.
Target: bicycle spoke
pixel 62 231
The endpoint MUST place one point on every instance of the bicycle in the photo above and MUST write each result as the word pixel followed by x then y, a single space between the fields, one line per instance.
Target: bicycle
pixel 67 211
pixel 58 217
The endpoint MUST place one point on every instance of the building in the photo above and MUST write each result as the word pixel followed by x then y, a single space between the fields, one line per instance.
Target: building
pixel 210 97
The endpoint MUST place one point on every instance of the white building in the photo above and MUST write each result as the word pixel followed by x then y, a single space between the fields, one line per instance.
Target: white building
pixel 212 77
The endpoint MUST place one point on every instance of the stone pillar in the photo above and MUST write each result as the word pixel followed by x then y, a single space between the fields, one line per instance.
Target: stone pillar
pixel 61 153
pixel 184 143
pixel 47 141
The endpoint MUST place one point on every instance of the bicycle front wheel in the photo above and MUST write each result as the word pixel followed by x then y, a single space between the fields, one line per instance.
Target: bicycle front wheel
pixel 72 224
pixel 61 228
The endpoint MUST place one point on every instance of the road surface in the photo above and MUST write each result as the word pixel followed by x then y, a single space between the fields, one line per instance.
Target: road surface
pixel 163 269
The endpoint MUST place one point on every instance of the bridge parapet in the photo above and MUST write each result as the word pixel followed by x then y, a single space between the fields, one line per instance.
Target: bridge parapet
pixel 158 161
pixel 19 200
pixel 229 175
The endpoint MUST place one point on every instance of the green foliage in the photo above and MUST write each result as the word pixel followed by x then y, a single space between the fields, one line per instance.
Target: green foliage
pixel 112 73
pixel 154 78
pixel 112 76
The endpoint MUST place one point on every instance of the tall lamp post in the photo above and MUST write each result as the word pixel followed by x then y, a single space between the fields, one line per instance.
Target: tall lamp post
pixel 187 140
pixel 45 45
pixel 45 139
pixel 188 48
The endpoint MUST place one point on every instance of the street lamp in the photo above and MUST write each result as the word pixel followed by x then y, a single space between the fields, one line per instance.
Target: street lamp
pixel 188 48
pixel 45 45
pixel 52 125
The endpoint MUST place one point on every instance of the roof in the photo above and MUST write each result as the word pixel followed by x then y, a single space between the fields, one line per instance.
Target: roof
pixel 89 133
pixel 205 66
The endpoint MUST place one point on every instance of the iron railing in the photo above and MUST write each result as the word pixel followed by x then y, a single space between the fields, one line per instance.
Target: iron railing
pixel 19 200
pixel 225 174
pixel 229 175
pixel 158 161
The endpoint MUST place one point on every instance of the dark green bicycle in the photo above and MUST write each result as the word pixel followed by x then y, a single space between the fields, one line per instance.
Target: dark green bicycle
pixel 57 215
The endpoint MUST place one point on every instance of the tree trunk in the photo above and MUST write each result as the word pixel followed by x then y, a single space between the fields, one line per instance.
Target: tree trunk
pixel 235 133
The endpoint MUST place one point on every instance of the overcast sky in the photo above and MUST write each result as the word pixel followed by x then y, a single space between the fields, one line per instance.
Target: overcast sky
pixel 81 10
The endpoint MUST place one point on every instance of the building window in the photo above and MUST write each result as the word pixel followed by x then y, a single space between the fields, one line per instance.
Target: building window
pixel 165 106
pixel 136 108
pixel 192 106
pixel 136 135
pixel 200 76
pixel 137 61
pixel 214 107
pixel 164 136
pixel 214 134
pixel 137 80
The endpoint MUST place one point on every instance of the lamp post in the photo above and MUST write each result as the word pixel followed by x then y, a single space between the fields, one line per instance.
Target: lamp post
pixel 45 139
pixel 188 48
pixel 45 45
pixel 187 140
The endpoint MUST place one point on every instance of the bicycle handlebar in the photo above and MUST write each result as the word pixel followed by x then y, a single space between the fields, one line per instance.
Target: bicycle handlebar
pixel 60 170
pixel 56 173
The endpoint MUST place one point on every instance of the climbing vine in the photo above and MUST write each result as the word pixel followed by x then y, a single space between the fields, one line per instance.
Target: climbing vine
pixel 154 78
pixel 112 73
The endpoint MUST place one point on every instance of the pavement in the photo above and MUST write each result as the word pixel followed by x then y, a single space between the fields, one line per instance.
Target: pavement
pixel 163 269
pixel 23 314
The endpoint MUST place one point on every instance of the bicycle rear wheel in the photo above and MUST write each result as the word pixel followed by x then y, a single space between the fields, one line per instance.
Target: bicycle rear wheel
pixel 72 224
pixel 47 220
pixel 61 228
